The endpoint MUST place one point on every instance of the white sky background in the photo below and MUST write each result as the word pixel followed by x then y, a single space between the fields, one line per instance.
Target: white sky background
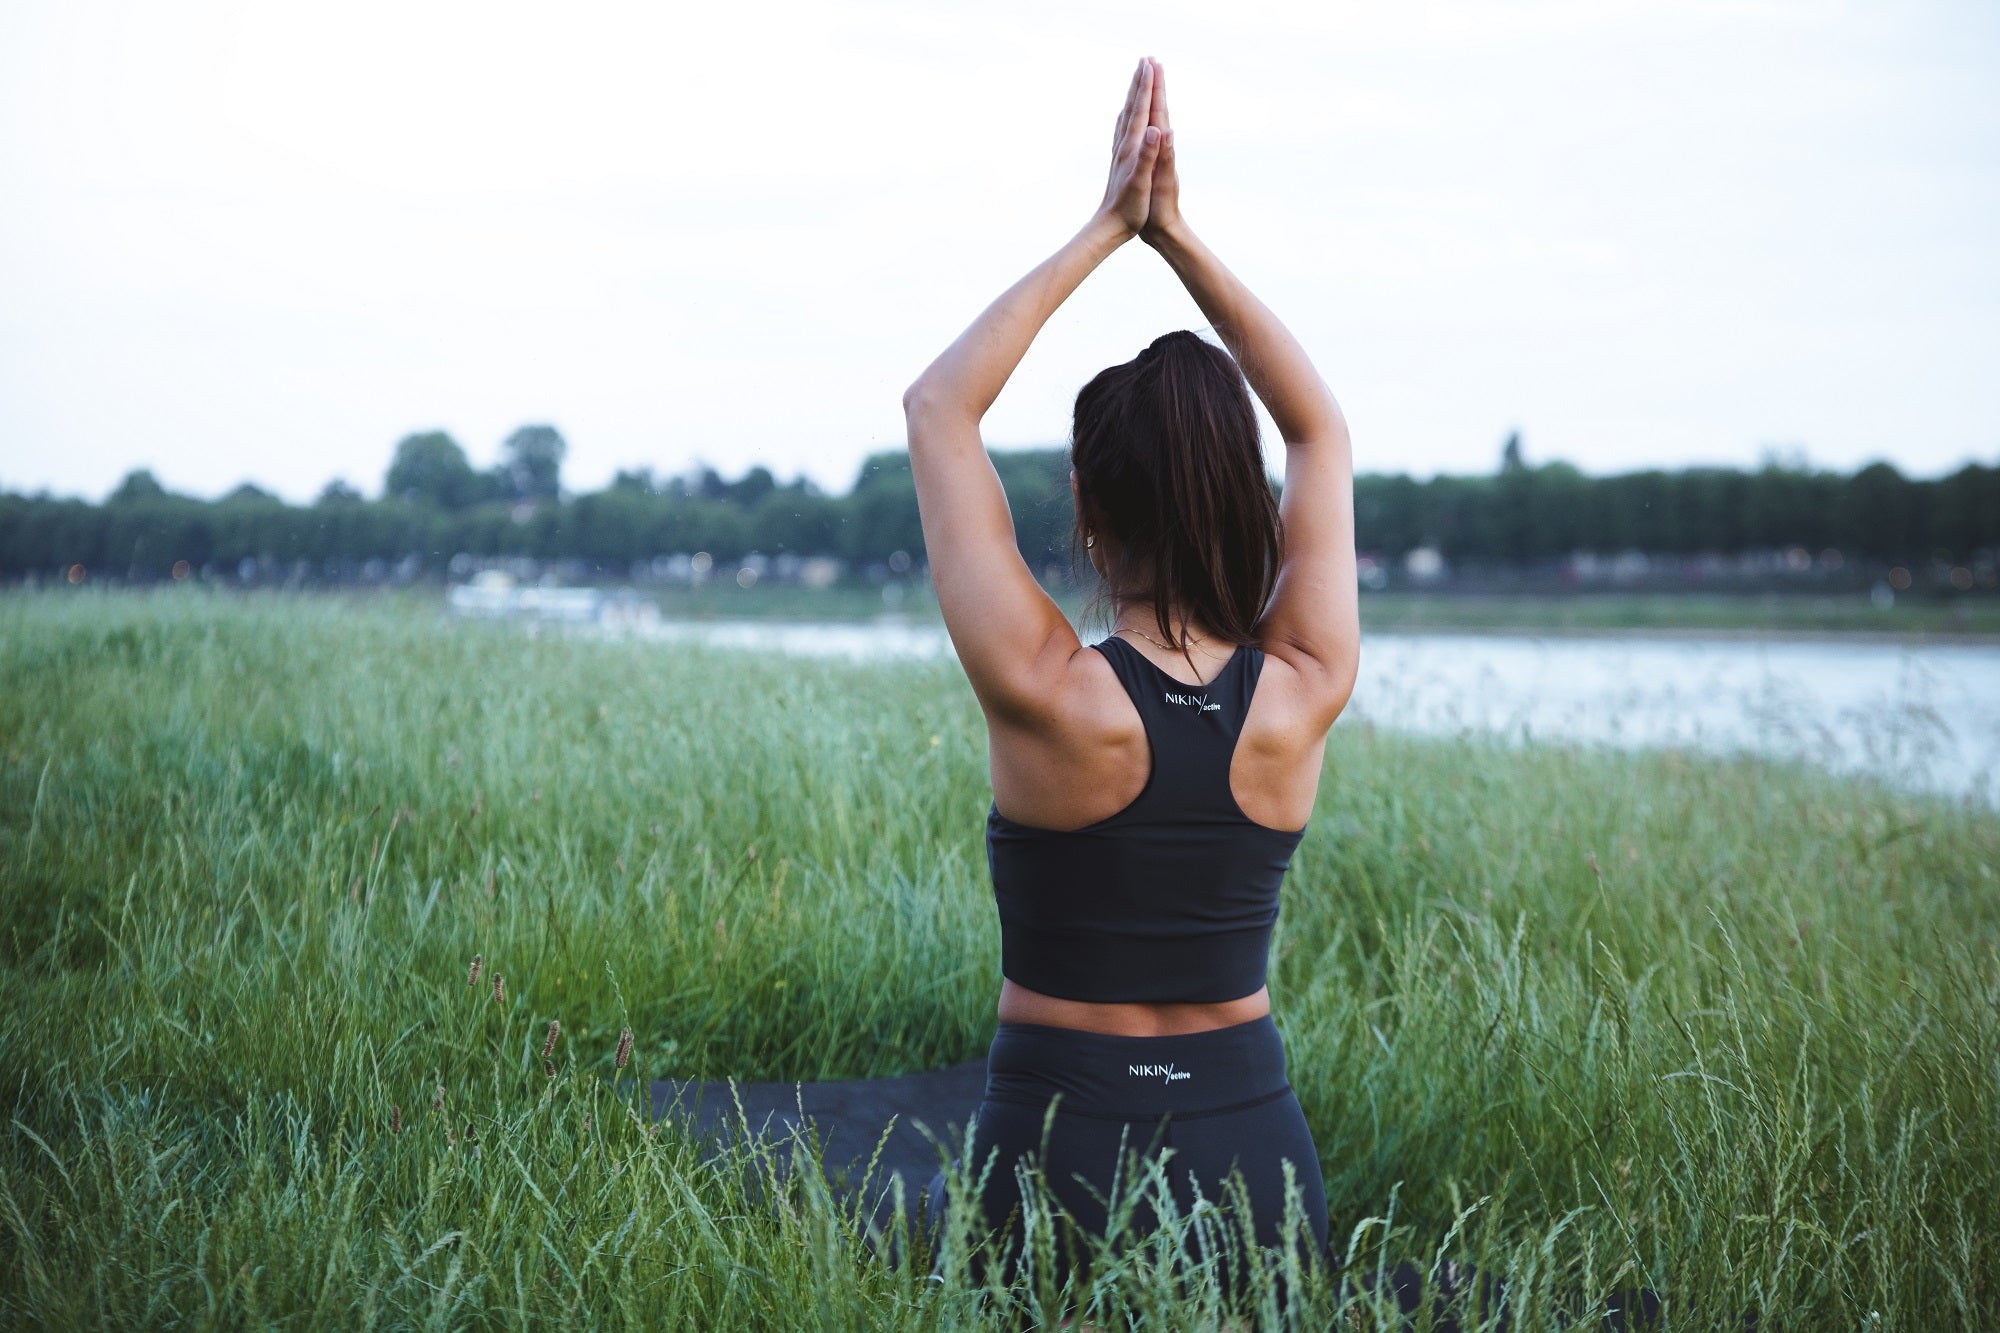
pixel 264 241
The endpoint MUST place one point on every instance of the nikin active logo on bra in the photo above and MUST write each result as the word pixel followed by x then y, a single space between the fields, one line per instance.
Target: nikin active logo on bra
pixel 1194 701
pixel 1167 1072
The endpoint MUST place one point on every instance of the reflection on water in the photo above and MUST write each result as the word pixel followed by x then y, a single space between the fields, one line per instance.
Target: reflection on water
pixel 859 641
pixel 1919 715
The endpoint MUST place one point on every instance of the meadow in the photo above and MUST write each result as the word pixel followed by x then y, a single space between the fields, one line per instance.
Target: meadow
pixel 1584 1020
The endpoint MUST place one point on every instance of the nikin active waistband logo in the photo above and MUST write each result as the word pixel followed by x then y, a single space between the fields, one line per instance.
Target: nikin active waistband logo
pixel 1194 701
pixel 1167 1072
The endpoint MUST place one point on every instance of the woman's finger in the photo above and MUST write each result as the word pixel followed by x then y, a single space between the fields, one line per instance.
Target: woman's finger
pixel 1151 144
pixel 1157 114
pixel 1134 107
pixel 1134 127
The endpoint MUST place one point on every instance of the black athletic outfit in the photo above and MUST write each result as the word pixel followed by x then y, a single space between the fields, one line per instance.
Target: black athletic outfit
pixel 1171 899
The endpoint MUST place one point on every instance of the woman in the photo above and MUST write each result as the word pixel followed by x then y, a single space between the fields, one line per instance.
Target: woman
pixel 1148 791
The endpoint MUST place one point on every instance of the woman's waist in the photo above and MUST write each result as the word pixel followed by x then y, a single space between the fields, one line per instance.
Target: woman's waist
pixel 1124 1076
pixel 1023 1005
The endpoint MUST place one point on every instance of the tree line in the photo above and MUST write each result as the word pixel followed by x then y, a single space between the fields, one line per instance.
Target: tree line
pixel 435 506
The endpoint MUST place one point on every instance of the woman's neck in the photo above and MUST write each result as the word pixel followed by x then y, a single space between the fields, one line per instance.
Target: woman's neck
pixel 1137 616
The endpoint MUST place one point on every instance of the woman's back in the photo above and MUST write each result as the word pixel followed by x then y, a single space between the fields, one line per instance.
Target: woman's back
pixel 1170 899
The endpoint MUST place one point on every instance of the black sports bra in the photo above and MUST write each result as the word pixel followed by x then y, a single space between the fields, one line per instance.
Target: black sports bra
pixel 1172 898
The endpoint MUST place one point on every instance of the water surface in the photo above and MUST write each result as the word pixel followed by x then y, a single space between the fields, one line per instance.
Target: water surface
pixel 1919 715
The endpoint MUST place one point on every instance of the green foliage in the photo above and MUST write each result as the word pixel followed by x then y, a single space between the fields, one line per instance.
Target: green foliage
pixel 1038 494
pixel 1588 1020
pixel 882 509
pixel 431 468
pixel 437 506
pixel 139 484
pixel 532 462
pixel 1538 513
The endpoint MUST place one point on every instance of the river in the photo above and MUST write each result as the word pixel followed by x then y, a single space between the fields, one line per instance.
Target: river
pixel 1921 716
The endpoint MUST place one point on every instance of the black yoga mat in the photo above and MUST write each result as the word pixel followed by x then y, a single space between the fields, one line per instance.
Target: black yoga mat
pixel 850 1117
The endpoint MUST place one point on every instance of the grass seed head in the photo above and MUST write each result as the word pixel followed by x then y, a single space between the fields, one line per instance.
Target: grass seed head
pixel 472 977
pixel 499 989
pixel 437 1102
pixel 395 1119
pixel 555 1034
pixel 624 1047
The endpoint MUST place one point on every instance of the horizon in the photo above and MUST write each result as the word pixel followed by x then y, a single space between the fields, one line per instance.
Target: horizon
pixel 263 245
pixel 376 491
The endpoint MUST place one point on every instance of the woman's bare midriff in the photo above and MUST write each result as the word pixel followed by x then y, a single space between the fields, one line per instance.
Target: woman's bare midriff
pixel 1018 1004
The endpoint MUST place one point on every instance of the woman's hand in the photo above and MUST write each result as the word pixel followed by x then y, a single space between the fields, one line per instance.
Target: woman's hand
pixel 1135 148
pixel 1163 212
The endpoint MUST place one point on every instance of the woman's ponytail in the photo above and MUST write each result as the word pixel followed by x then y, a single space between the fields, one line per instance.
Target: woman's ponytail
pixel 1167 462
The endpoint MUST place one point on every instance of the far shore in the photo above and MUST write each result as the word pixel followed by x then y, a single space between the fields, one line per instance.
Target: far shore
pixel 1848 617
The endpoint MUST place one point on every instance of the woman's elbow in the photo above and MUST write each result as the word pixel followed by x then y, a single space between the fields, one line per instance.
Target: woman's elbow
pixel 1346 673
pixel 925 397
pixel 930 408
pixel 1339 671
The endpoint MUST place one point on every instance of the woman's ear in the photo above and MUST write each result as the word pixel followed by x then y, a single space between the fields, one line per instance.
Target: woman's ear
pixel 1082 510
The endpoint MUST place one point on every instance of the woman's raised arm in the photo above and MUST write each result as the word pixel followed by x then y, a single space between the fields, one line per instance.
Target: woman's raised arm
pixel 1313 620
pixel 1010 636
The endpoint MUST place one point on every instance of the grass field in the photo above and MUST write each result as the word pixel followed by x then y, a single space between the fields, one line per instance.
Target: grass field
pixel 1586 1020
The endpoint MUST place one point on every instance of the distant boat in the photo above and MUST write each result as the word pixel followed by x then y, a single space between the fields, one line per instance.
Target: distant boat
pixel 493 595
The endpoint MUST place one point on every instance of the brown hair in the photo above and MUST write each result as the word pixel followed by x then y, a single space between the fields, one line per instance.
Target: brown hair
pixel 1168 463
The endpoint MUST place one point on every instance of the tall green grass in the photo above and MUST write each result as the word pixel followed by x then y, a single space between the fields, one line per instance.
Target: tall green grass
pixel 1585 1020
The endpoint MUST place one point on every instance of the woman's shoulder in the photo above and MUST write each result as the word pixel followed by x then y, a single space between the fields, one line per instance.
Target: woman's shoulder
pixel 1080 747
pixel 1072 695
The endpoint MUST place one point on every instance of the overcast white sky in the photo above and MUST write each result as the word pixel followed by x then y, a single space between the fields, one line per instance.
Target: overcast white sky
pixel 265 240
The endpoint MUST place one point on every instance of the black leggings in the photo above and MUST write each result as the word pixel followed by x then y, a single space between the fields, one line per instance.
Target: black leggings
pixel 1217 1102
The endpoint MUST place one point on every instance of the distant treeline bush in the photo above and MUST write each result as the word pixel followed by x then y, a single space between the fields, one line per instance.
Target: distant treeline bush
pixel 435 507
pixel 1526 514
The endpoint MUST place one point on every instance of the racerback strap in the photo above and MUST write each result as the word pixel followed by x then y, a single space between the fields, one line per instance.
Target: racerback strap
pixel 1192 729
